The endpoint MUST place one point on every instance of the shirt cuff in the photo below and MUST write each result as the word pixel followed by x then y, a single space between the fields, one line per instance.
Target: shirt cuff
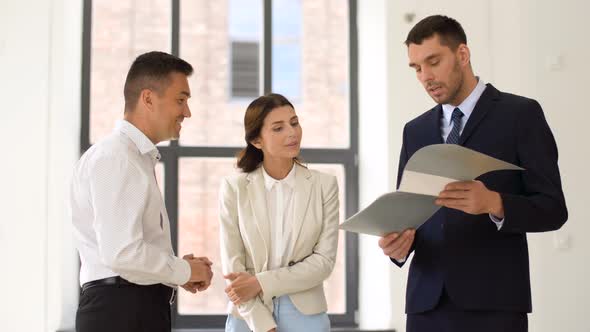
pixel 181 271
pixel 499 222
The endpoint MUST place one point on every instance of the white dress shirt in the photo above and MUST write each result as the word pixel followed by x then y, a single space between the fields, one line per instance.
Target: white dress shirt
pixel 279 198
pixel 466 107
pixel 118 213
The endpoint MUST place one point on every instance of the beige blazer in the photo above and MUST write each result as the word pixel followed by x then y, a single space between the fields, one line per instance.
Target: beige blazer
pixel 245 236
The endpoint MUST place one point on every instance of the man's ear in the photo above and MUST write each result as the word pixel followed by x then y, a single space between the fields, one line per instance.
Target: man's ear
pixel 146 98
pixel 464 54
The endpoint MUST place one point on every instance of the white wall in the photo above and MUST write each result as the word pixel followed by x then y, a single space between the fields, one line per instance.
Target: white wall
pixel 40 46
pixel 64 148
pixel 25 100
pixel 538 49
pixel 374 155
pixel 554 52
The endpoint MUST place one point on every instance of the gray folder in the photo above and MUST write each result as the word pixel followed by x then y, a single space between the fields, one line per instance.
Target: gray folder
pixel 423 178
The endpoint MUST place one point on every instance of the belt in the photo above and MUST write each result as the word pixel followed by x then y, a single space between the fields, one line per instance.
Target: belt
pixel 112 281
pixel 118 281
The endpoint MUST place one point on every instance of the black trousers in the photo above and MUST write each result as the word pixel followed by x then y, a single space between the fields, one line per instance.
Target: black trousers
pixel 448 317
pixel 124 308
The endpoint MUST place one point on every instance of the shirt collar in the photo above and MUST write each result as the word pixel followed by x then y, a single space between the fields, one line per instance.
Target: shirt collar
pixel 141 141
pixel 269 181
pixel 467 105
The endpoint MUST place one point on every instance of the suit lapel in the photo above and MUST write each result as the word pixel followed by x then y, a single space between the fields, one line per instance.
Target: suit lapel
pixel 302 198
pixel 484 104
pixel 432 128
pixel 257 197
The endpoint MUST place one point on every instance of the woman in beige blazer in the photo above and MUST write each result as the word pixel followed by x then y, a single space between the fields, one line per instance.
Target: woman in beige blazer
pixel 279 227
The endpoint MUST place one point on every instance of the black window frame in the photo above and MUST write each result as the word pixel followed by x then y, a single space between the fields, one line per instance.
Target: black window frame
pixel 348 157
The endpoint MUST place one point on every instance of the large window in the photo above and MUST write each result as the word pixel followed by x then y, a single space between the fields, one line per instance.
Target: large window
pixel 240 49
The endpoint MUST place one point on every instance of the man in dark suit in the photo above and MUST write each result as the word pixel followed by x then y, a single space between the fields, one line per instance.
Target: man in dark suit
pixel 470 270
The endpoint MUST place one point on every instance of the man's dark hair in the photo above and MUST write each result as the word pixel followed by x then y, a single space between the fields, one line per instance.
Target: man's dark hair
pixel 450 32
pixel 152 71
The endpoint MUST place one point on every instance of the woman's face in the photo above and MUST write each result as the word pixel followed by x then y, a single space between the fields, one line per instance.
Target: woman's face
pixel 280 136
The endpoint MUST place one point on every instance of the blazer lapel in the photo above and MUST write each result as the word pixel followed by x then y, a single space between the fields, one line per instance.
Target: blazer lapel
pixel 302 198
pixel 257 197
pixel 484 104
pixel 432 129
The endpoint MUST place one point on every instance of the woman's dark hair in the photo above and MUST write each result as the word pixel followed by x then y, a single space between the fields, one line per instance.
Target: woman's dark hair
pixel 250 157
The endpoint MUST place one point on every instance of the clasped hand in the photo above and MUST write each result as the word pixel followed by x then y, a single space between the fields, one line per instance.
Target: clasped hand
pixel 201 273
pixel 242 288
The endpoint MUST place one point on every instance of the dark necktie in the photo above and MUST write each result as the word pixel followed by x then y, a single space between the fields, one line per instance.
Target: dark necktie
pixel 453 137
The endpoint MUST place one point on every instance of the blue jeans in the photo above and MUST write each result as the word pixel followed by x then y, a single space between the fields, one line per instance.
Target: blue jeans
pixel 287 317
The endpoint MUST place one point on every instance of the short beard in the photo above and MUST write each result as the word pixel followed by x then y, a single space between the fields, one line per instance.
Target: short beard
pixel 453 94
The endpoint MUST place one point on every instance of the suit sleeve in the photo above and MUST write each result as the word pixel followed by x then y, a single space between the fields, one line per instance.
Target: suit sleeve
pixel 315 268
pixel 233 257
pixel 403 160
pixel 541 205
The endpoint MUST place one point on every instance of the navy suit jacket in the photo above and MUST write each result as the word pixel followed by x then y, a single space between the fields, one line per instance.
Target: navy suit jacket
pixel 481 267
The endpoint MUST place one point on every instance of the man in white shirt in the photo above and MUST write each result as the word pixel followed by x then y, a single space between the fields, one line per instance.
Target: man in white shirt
pixel 128 271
